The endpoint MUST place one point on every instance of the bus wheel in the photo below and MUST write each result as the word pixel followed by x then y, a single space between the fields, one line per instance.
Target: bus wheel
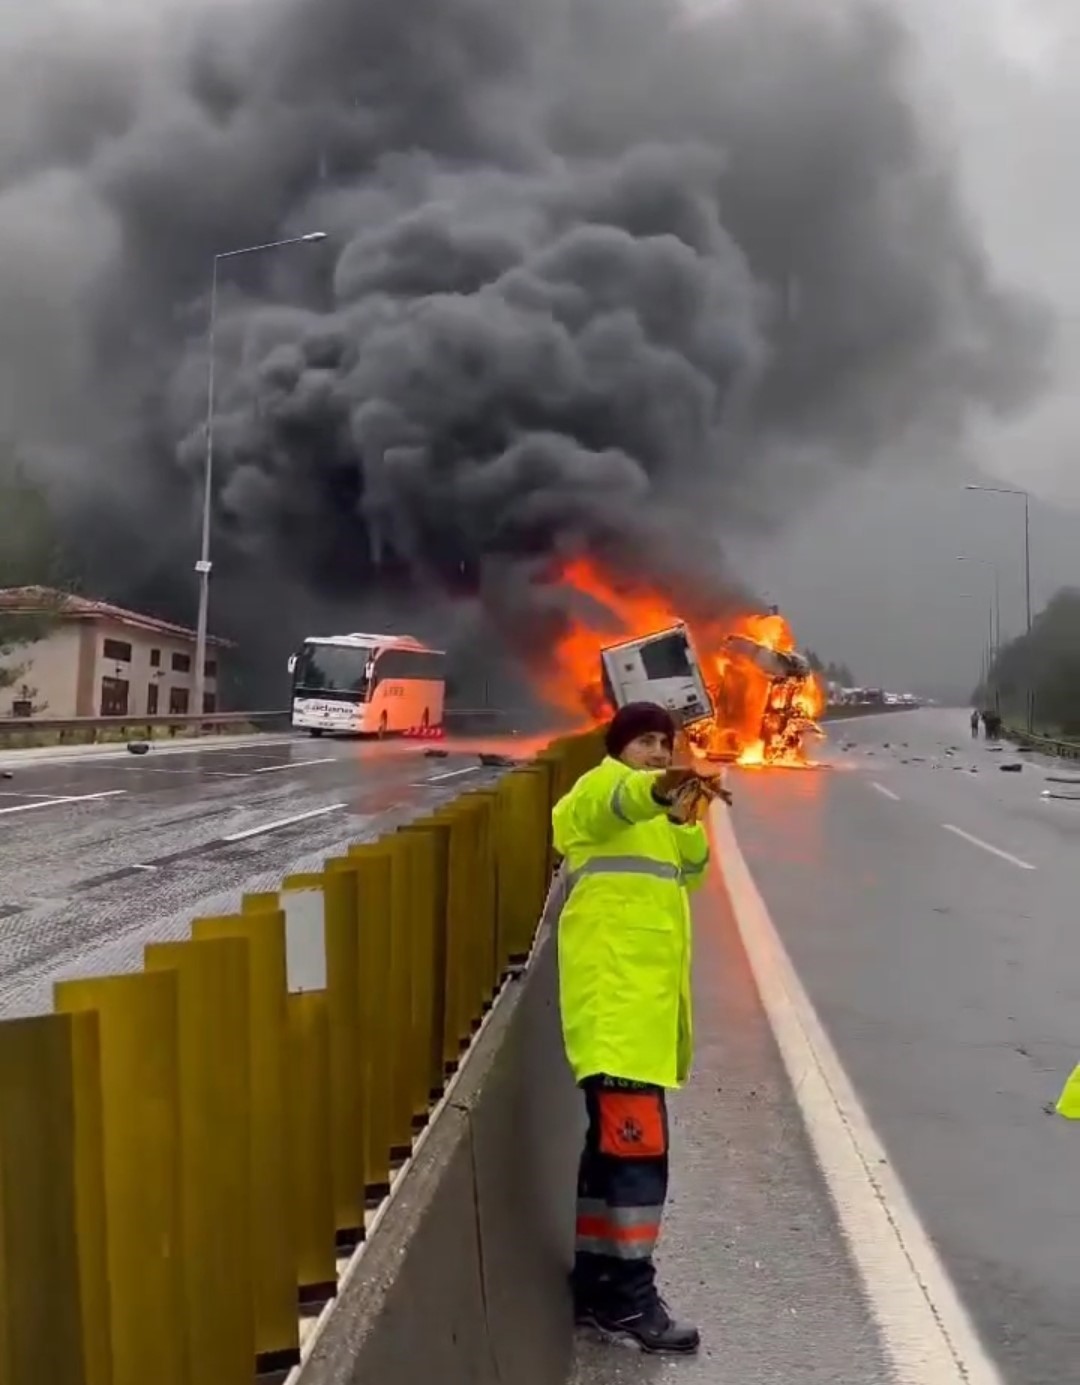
pixel 383 724
pixel 314 733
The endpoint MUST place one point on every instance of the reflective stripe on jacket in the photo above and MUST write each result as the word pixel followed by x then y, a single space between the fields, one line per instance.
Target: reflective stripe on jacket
pixel 624 927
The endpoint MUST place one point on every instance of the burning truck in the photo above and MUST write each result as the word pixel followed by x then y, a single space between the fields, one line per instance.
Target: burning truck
pixel 741 690
pixel 758 710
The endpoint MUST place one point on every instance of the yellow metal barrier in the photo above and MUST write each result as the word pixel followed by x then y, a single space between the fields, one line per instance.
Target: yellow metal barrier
pixel 214 1047
pixel 52 1271
pixel 139 1066
pixel 184 1151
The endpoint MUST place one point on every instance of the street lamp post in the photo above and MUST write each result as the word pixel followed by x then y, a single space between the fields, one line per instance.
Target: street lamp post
pixel 204 565
pixel 1025 497
pixel 988 648
pixel 995 625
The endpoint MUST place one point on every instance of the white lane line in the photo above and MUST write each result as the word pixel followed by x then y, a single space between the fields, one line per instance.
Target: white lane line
pixel 282 822
pixel 294 764
pixel 453 774
pixel 14 793
pixel 69 798
pixel 138 867
pixel 924 1327
pixel 986 846
pixel 886 793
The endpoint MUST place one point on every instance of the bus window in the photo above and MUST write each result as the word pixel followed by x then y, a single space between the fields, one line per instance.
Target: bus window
pixel 332 668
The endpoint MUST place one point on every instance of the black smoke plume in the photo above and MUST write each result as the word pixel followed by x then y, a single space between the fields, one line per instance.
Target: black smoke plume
pixel 601 277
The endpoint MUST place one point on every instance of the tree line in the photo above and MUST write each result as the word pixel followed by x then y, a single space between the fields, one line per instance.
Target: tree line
pixel 1043 664
pixel 831 672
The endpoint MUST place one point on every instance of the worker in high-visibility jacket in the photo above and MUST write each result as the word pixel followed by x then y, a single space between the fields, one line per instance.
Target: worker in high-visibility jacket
pixel 632 851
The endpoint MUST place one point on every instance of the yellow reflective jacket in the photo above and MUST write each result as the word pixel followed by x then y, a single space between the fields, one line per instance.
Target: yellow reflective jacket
pixel 623 910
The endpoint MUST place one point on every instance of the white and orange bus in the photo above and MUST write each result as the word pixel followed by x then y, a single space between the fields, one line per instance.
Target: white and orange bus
pixel 363 684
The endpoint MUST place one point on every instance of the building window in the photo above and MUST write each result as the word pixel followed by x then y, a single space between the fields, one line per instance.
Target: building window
pixel 114 697
pixel 178 702
pixel 211 668
pixel 155 658
pixel 152 700
pixel 119 650
pixel 181 663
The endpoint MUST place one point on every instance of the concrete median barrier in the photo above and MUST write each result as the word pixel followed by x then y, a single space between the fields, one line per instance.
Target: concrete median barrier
pixel 465 1282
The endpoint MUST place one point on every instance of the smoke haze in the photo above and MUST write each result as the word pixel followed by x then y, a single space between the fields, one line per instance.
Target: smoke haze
pixel 599 277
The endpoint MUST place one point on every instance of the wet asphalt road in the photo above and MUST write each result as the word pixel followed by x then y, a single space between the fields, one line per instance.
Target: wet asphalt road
pixel 931 910
pixel 99 855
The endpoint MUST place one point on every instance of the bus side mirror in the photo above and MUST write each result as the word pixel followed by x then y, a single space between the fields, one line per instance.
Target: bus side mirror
pixel 292 663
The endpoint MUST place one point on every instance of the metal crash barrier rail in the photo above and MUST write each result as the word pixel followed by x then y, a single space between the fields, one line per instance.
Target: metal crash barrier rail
pixel 186 1151
pixel 1068 750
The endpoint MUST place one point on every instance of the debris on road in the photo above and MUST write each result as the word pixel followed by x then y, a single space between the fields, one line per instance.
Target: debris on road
pixel 1010 769
pixel 492 761
pixel 434 754
pixel 138 747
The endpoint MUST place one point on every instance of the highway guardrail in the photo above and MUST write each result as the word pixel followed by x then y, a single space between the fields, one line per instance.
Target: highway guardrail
pixel 88 730
pixel 1046 745
pixel 186 1152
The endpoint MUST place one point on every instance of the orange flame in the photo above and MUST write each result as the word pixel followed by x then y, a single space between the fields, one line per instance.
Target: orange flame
pixel 759 718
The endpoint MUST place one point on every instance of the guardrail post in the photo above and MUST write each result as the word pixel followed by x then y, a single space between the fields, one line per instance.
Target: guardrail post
pixel 347 1077
pixel 401 999
pixel 214 1028
pixel 138 1060
pixel 431 994
pixel 273 1253
pixel 53 1280
pixel 374 899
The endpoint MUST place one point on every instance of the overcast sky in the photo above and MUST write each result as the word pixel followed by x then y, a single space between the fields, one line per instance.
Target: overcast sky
pixel 870 574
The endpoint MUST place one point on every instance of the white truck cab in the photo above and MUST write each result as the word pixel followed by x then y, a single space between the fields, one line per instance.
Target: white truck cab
pixel 662 667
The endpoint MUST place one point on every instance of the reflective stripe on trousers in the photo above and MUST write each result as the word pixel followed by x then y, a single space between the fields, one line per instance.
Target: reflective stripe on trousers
pixel 624 1233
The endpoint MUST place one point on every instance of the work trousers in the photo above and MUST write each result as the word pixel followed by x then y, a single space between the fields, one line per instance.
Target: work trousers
pixel 622 1185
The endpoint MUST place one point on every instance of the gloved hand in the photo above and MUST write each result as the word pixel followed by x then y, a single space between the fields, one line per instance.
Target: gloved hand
pixel 671 782
pixel 712 786
pixel 691 802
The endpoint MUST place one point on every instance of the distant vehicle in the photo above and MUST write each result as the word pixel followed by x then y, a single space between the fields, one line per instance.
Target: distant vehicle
pixel 364 684
pixel 661 667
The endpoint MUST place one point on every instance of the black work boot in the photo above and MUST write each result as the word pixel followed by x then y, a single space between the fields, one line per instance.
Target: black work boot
pixel 651 1327
pixel 588 1292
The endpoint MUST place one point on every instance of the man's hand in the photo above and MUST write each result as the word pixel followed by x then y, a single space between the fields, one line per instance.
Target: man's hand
pixel 691 801
pixel 712 786
pixel 687 804
pixel 671 783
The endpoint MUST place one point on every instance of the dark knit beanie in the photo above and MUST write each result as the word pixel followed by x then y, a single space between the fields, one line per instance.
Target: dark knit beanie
pixel 637 719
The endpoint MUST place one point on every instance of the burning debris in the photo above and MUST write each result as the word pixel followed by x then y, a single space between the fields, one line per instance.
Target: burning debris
pixel 744 693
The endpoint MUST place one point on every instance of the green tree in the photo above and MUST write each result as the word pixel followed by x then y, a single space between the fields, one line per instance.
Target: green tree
pixel 30 556
pixel 1046 663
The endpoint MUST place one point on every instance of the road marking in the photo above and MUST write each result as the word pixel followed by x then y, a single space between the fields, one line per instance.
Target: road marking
pixel 453 774
pixel 294 764
pixel 14 793
pixel 282 822
pixel 887 793
pixel 69 798
pixel 985 846
pixel 924 1327
pixel 138 867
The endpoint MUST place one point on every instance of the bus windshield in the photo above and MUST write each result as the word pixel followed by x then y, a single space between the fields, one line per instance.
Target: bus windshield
pixel 333 668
